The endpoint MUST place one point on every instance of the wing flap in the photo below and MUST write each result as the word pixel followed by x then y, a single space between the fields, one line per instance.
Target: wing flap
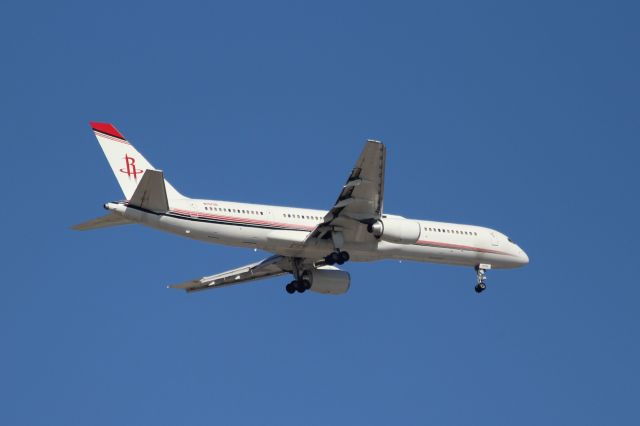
pixel 270 267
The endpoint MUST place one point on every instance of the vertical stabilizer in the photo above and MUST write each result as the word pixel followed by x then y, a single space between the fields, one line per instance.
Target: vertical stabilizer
pixel 126 162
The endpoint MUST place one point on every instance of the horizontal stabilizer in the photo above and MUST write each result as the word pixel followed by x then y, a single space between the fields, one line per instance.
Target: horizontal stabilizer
pixel 111 219
pixel 151 193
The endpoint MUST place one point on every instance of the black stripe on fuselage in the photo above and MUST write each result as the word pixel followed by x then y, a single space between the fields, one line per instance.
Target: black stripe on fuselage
pixel 214 221
pixel 230 223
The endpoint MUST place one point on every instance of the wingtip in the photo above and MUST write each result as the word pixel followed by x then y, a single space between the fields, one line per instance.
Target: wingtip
pixel 106 128
pixel 175 286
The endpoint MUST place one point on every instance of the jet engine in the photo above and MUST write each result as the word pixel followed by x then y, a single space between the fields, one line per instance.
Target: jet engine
pixel 399 231
pixel 328 280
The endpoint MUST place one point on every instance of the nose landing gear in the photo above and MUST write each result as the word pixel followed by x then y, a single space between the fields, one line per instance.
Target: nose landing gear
pixel 480 287
pixel 481 277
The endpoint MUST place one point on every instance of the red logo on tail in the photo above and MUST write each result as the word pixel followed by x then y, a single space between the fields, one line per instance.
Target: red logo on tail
pixel 130 169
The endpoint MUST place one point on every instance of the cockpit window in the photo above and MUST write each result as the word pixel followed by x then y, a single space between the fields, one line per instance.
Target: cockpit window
pixel 510 240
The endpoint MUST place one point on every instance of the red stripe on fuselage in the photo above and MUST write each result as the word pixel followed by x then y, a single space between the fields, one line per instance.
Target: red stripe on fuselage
pixel 459 247
pixel 241 220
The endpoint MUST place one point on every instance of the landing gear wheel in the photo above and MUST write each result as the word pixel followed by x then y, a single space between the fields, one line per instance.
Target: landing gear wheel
pixel 481 276
pixel 300 286
pixel 290 288
pixel 339 257
pixel 332 259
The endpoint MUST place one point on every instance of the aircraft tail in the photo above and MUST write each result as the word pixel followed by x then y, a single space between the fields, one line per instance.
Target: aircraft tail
pixel 126 162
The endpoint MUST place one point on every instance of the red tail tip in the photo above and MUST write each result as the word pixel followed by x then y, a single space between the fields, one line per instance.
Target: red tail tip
pixel 106 128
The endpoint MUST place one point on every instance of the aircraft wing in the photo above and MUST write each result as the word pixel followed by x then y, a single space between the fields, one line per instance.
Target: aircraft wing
pixel 360 201
pixel 270 267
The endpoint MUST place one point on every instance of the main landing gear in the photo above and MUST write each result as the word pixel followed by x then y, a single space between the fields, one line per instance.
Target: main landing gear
pixel 298 285
pixel 481 277
pixel 338 257
pixel 301 284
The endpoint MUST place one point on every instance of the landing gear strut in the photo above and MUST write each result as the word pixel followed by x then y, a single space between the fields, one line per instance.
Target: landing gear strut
pixel 338 257
pixel 481 277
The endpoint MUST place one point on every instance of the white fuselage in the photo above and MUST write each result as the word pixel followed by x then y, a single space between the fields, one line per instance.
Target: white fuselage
pixel 283 230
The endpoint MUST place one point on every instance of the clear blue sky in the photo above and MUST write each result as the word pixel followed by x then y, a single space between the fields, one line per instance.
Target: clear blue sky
pixel 521 116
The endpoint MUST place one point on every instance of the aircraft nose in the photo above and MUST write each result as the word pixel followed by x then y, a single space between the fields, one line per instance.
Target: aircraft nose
pixel 523 258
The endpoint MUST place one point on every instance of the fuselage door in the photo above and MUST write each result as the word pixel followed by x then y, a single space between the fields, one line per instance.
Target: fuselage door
pixel 494 239
pixel 194 210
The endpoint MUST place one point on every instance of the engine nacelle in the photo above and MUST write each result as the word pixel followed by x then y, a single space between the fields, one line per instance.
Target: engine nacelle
pixel 328 280
pixel 399 231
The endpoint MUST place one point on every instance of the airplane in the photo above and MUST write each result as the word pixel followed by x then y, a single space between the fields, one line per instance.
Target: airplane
pixel 306 243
